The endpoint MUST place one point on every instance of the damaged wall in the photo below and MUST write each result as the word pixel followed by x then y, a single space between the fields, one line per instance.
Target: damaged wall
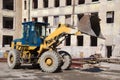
pixel 108 12
pixel 10 22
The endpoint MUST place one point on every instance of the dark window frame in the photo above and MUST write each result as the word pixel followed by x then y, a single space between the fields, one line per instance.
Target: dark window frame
pixel 68 40
pixel 79 16
pixel 56 21
pixel 68 2
pixel 57 3
pixel 66 17
pixel 45 19
pixel 9 5
pixel 80 40
pixel 8 22
pixel 25 4
pixel 81 1
pixel 24 19
pixel 7 41
pixel 45 3
pixel 34 4
pixel 93 41
pixel 35 19
pixel 49 30
pixel 95 0
pixel 109 51
pixel 110 19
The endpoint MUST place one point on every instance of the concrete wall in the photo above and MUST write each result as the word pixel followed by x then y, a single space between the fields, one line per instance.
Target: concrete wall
pixel 17 16
pixel 110 31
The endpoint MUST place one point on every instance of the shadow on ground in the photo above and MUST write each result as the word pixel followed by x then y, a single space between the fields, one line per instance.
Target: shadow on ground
pixel 29 67
pixel 95 69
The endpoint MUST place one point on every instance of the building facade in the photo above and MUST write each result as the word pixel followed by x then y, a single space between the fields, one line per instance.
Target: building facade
pixel 61 11
pixel 10 22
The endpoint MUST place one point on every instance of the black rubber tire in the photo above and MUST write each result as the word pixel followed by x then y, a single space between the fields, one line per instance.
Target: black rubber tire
pixel 56 64
pixel 67 60
pixel 16 59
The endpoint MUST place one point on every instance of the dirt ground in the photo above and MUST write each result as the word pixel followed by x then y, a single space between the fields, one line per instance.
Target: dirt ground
pixel 26 72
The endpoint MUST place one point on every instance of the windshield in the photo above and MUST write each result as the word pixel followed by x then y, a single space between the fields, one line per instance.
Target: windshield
pixel 40 30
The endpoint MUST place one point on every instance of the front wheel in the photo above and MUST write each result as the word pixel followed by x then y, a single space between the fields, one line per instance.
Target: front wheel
pixel 50 61
pixel 13 59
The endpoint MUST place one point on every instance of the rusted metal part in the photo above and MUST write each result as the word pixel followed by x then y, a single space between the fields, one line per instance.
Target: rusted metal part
pixel 76 65
pixel 110 60
pixel 90 60
pixel 93 60
pixel 79 62
pixel 3 59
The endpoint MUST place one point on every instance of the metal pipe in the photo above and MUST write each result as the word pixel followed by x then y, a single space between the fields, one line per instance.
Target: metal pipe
pixel 29 10
pixel 73 12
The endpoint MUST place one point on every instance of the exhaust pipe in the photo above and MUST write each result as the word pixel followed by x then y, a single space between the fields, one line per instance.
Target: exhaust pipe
pixel 89 24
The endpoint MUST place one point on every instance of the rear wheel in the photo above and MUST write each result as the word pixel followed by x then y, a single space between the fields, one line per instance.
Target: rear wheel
pixel 13 59
pixel 50 61
pixel 66 60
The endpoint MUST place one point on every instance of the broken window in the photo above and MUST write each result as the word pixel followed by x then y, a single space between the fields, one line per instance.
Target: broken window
pixel 56 20
pixel 7 40
pixel 94 0
pixel 79 40
pixel 49 31
pixel 79 16
pixel 45 19
pixel 25 4
pixel 93 41
pixel 68 40
pixel 68 2
pixel 109 51
pixel 45 3
pixel 57 2
pixel 110 17
pixel 67 19
pixel 94 14
pixel 95 23
pixel 81 1
pixel 35 19
pixel 8 4
pixel 24 19
pixel 8 22
pixel 35 4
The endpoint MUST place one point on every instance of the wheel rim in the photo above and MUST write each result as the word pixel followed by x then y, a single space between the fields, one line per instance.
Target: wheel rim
pixel 11 58
pixel 49 61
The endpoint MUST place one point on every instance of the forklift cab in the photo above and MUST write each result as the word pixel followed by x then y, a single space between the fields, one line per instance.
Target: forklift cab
pixel 34 33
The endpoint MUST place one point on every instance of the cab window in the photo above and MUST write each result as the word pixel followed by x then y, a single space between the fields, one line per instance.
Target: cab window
pixel 40 30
